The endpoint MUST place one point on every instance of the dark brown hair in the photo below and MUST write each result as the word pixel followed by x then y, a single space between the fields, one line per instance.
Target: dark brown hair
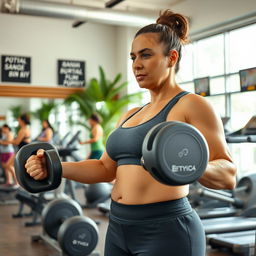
pixel 25 118
pixel 95 117
pixel 48 124
pixel 173 31
pixel 7 126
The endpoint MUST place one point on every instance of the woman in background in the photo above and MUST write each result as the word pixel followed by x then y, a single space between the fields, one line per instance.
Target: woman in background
pixel 96 138
pixel 22 139
pixel 7 152
pixel 46 134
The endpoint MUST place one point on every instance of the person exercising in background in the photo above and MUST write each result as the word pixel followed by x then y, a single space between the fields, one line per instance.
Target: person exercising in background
pixel 6 154
pixel 148 218
pixel 22 138
pixel 96 138
pixel 46 133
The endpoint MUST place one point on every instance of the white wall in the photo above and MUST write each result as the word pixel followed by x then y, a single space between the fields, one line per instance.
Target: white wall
pixel 47 39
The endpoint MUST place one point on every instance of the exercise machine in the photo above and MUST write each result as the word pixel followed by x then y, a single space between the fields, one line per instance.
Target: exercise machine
pixel 239 243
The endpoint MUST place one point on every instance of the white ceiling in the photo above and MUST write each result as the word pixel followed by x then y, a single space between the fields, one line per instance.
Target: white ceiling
pixel 145 6
pixel 202 13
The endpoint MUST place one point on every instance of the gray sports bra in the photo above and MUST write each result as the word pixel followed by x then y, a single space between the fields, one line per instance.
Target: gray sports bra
pixel 124 145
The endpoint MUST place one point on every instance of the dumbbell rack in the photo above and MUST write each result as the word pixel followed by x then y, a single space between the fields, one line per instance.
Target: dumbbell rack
pixel 54 244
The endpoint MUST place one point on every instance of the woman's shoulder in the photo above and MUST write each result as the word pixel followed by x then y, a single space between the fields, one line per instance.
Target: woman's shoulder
pixel 195 106
pixel 194 100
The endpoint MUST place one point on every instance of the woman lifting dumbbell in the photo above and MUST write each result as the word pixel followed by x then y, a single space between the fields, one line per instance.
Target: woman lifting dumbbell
pixel 148 217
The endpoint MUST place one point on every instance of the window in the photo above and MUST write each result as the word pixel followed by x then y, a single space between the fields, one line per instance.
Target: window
pixel 209 56
pixel 243 107
pixel 217 85
pixel 218 103
pixel 241 48
pixel 233 83
pixel 186 64
pixel 188 87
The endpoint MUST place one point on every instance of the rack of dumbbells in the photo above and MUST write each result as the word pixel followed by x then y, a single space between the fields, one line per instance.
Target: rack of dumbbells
pixel 66 229
pixel 36 204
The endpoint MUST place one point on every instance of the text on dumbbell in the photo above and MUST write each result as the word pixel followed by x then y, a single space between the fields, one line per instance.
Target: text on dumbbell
pixel 183 168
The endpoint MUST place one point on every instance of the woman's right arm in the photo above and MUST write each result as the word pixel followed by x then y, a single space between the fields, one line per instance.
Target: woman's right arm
pixel 91 171
pixel 87 171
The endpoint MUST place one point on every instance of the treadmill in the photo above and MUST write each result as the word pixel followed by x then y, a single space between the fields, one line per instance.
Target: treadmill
pixel 237 234
pixel 239 243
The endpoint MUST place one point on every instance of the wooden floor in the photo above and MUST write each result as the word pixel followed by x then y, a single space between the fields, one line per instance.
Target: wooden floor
pixel 15 238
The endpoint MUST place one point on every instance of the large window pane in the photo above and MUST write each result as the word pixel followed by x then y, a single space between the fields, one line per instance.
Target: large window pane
pixel 217 85
pixel 233 83
pixel 188 87
pixel 209 56
pixel 243 107
pixel 241 47
pixel 218 102
pixel 186 65
pixel 243 155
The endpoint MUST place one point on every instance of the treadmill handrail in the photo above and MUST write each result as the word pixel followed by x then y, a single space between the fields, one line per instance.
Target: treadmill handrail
pixel 238 139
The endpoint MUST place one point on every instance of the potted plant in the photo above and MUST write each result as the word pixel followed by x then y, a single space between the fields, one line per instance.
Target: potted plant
pixel 103 97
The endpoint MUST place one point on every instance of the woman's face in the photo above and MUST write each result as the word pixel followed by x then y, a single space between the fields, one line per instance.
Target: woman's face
pixel 5 130
pixel 150 66
pixel 44 124
pixel 91 122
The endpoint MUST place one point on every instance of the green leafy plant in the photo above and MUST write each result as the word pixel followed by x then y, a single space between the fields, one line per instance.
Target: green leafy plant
pixel 16 111
pixel 103 97
pixel 44 111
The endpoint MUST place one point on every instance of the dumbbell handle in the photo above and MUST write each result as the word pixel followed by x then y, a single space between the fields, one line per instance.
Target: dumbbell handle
pixel 234 201
pixel 241 188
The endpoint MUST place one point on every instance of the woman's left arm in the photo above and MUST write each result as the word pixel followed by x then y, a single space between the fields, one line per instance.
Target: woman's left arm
pixel 221 171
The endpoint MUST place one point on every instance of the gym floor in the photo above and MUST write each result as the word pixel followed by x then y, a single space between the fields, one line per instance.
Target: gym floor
pixel 15 238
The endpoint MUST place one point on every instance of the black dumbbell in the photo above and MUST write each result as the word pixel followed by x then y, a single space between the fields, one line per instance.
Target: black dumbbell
pixel 62 220
pixel 175 153
pixel 53 166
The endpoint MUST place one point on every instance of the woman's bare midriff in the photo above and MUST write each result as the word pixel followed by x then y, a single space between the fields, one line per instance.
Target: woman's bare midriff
pixel 134 185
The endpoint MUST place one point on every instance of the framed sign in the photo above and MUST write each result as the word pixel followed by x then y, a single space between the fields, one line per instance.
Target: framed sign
pixel 16 69
pixel 247 79
pixel 202 86
pixel 71 73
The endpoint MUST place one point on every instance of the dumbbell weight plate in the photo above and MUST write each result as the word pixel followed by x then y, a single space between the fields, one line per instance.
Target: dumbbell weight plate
pixel 53 166
pixel 246 190
pixel 56 212
pixel 78 236
pixel 175 154
pixel 147 148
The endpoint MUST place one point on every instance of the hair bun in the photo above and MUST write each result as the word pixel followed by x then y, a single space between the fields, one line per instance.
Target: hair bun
pixel 175 21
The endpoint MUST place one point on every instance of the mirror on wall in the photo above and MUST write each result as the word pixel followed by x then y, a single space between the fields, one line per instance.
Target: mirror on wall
pixel 62 118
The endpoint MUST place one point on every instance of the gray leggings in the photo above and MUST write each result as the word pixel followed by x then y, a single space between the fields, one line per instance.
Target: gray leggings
pixel 168 228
